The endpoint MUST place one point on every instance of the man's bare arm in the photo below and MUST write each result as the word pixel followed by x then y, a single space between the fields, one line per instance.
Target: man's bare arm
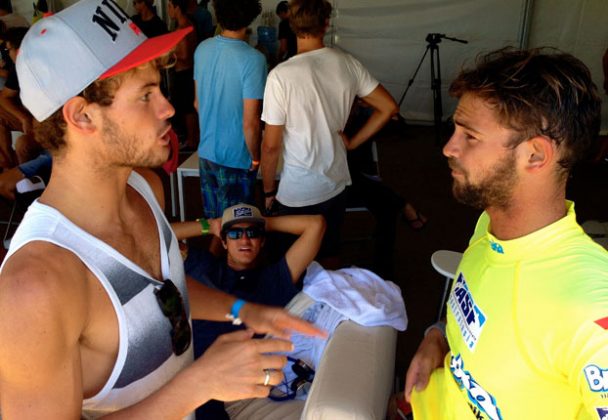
pixel 272 147
pixel 213 304
pixel 8 99
pixel 49 316
pixel 384 108
pixel 44 313
pixel 251 128
pixel 309 229
pixel 196 95
pixel 428 357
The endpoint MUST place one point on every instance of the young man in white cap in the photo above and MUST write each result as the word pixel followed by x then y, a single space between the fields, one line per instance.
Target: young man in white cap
pixel 95 308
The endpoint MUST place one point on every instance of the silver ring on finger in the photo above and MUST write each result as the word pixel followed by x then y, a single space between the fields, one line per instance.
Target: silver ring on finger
pixel 266 377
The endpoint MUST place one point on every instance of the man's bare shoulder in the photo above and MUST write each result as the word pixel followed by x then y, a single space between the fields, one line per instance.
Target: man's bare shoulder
pixel 43 310
pixel 40 282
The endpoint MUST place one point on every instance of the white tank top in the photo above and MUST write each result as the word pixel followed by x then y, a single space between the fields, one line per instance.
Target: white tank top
pixel 145 359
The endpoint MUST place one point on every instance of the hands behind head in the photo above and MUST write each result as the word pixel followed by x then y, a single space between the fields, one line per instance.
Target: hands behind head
pixel 215 226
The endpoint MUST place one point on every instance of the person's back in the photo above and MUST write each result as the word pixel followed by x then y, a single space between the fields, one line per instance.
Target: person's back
pixel 151 27
pixel 202 20
pixel 229 82
pixel 316 89
pixel 306 105
pixel 222 65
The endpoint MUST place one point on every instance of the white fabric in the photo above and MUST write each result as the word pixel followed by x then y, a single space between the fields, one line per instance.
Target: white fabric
pixel 311 94
pixel 351 293
pixel 358 294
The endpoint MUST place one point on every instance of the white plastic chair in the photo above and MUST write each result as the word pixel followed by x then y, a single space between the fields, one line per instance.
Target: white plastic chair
pixel 446 263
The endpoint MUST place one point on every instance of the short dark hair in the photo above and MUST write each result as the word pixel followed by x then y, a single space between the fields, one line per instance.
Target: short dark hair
pixel 309 17
pixel 542 91
pixel 236 14
pixel 6 5
pixel 182 4
pixel 14 36
pixel 282 7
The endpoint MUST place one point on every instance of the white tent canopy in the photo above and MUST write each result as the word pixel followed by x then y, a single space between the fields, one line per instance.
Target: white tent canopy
pixel 389 37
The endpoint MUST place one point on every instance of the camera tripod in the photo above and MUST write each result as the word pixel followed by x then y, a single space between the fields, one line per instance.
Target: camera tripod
pixel 433 41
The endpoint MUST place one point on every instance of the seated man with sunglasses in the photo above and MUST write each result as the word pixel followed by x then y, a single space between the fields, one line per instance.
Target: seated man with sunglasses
pixel 242 230
pixel 94 303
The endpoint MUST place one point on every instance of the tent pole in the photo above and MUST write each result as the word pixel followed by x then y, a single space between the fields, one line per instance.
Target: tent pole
pixel 525 23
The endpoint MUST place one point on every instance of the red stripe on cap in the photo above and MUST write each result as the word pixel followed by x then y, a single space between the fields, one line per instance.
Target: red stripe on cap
pixel 148 50
pixel 603 323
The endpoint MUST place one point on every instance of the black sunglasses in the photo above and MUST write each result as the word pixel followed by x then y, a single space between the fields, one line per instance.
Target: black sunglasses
pixel 172 305
pixel 288 390
pixel 252 232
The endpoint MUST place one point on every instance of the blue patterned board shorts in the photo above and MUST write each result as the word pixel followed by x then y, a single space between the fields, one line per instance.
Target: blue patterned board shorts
pixel 222 187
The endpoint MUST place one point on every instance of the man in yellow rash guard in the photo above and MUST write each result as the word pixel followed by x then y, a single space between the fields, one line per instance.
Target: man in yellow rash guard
pixel 527 316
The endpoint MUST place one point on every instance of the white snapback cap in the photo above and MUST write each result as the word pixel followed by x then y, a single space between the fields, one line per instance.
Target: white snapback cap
pixel 64 53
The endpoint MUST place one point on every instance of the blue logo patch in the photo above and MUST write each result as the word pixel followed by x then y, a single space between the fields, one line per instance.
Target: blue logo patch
pixel 469 317
pixel 243 212
pixel 478 396
pixel 496 247
pixel 602 413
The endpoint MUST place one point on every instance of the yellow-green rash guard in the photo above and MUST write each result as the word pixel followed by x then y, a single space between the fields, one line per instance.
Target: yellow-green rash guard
pixel 527 326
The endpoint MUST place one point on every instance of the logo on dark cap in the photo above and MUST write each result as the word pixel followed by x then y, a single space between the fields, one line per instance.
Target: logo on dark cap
pixel 243 212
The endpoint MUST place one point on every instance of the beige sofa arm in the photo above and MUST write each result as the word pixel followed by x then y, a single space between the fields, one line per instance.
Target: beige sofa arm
pixel 356 374
pixel 353 381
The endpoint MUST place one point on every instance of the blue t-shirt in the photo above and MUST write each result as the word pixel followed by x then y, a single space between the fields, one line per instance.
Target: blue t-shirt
pixel 226 72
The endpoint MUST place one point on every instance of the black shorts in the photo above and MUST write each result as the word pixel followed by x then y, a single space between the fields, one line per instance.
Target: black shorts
pixel 333 212
pixel 182 97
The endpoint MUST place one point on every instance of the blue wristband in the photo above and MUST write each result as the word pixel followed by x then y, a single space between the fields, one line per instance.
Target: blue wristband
pixel 234 312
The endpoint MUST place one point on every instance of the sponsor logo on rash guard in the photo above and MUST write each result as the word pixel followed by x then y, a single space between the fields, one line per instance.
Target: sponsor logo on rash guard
pixel 597 378
pixel 602 413
pixel 469 317
pixel 496 247
pixel 480 399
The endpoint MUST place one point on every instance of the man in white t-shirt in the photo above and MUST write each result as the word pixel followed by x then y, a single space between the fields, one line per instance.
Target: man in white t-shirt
pixel 307 101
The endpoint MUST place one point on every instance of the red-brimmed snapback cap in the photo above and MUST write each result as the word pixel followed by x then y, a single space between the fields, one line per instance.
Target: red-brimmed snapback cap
pixel 64 53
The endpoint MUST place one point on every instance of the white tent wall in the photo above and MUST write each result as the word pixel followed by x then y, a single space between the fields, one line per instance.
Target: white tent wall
pixel 579 27
pixel 388 36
